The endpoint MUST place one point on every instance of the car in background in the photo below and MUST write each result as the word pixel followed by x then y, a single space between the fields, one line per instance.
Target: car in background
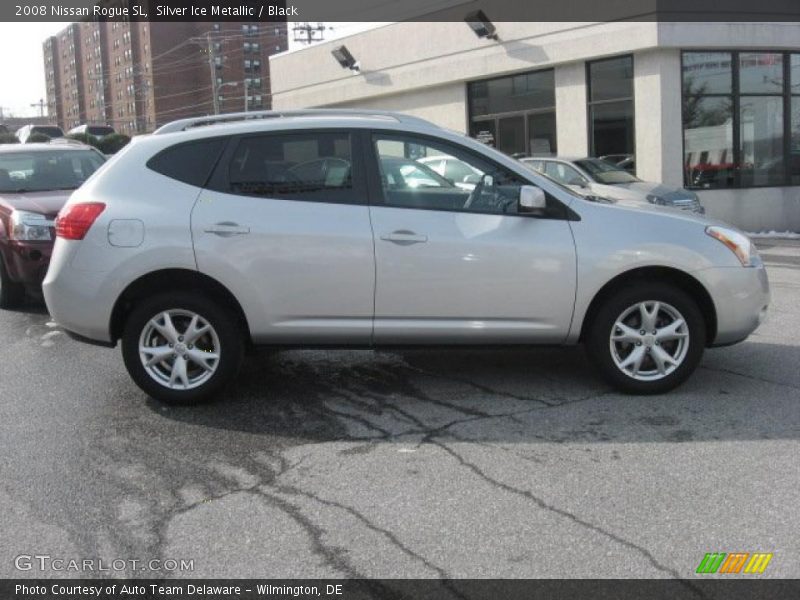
pixel 626 162
pixel 35 182
pixel 51 131
pixel 3 129
pixel 456 171
pixel 97 131
pixel 597 179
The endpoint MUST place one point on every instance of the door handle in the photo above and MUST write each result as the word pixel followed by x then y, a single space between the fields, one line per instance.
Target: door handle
pixel 404 237
pixel 226 229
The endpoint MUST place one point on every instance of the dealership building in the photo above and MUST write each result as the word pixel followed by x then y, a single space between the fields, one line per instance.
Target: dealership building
pixel 714 107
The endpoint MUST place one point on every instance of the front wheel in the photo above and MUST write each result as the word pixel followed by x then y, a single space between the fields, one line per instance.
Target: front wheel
pixel 647 338
pixel 181 348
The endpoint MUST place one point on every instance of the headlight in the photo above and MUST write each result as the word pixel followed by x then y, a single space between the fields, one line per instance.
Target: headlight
pixel 653 199
pixel 737 242
pixel 30 227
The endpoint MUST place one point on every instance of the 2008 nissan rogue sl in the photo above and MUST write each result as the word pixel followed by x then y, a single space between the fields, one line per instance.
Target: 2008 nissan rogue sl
pixel 323 228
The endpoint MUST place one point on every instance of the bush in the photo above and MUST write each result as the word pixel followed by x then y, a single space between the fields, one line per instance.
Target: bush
pixel 37 138
pixel 85 138
pixel 8 138
pixel 111 144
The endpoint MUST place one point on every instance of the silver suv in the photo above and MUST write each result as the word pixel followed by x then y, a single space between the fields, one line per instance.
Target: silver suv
pixel 309 228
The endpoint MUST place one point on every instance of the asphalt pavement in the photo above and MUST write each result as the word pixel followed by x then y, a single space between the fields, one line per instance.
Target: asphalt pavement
pixel 457 464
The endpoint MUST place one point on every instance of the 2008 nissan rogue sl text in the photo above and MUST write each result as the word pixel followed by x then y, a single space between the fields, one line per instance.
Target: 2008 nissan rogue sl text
pixel 322 228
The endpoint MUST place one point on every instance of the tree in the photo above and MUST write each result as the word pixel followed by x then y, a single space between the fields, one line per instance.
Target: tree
pixel 111 144
pixel 85 138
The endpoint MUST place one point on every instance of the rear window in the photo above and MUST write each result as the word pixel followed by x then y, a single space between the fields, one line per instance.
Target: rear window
pixel 53 132
pixel 190 162
pixel 99 131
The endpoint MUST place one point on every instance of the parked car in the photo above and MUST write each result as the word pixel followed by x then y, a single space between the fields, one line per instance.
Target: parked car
pixel 457 171
pixel 51 131
pixel 210 236
pixel 97 131
pixel 35 182
pixel 3 128
pixel 626 162
pixel 597 178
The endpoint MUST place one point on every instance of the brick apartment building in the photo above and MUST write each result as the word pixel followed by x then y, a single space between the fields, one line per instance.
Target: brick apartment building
pixel 136 76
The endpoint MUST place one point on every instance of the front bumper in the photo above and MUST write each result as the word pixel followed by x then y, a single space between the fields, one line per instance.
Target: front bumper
pixel 26 262
pixel 741 297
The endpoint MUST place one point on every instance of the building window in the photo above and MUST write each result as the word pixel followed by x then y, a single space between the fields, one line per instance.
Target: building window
pixel 610 100
pixel 516 114
pixel 741 119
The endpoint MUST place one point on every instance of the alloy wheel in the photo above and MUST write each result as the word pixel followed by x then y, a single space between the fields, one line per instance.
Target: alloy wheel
pixel 649 340
pixel 179 349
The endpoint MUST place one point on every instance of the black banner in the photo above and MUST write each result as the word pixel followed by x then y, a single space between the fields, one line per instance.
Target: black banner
pixel 401 10
pixel 740 588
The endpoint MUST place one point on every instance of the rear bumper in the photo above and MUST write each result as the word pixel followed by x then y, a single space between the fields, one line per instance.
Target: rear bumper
pixel 26 262
pixel 78 300
pixel 741 297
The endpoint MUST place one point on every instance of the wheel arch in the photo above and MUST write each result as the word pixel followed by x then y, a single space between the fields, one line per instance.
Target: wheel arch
pixel 173 279
pixel 681 279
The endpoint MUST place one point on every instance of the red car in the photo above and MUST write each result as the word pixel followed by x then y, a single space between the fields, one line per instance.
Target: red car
pixel 35 182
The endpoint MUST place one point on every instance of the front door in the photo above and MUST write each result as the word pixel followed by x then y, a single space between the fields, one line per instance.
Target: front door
pixel 458 265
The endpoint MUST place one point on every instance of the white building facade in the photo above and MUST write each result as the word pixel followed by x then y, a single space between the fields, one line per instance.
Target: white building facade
pixel 713 107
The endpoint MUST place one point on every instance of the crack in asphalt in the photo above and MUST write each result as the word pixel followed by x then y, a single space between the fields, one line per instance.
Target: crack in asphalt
pixel 748 376
pixel 570 516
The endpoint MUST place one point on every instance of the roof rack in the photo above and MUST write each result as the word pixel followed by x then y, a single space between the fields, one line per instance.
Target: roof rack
pixel 67 141
pixel 184 124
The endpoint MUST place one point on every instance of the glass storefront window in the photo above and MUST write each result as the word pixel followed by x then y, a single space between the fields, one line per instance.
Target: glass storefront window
pixel 611 79
pixel 760 73
pixel 708 142
pixel 611 123
pixel 761 140
pixel 516 113
pixel 736 129
pixel 707 73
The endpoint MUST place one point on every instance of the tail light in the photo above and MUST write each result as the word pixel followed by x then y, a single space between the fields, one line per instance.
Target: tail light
pixel 75 220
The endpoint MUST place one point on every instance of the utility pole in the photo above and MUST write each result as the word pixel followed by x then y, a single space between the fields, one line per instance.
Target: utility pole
pixel 213 66
pixel 306 33
pixel 40 105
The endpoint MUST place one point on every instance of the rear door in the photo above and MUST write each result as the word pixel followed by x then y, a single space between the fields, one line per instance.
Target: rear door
pixel 284 225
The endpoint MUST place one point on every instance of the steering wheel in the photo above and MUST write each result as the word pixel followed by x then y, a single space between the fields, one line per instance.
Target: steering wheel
pixel 476 192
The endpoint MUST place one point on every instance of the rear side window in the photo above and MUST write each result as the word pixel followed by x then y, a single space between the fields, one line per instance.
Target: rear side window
pixel 190 162
pixel 316 167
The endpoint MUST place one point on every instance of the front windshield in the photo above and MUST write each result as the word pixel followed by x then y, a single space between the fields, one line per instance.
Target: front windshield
pixel 46 170
pixel 409 173
pixel 604 172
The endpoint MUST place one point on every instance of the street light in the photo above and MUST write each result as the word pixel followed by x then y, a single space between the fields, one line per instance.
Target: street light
pixel 481 25
pixel 216 94
pixel 345 59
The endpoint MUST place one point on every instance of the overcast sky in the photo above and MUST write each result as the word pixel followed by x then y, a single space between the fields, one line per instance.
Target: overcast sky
pixel 22 66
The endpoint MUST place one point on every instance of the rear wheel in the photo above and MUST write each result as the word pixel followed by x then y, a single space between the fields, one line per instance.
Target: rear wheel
pixel 181 348
pixel 12 294
pixel 647 338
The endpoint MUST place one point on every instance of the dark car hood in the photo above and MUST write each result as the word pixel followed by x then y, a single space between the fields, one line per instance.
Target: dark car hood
pixel 46 203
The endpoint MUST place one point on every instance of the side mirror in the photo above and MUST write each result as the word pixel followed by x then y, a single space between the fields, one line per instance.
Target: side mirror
pixel 532 199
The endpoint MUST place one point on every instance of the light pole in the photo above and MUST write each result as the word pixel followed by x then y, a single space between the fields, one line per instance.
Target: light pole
pixel 216 94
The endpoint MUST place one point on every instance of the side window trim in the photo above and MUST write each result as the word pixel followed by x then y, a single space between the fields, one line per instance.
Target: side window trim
pixel 218 181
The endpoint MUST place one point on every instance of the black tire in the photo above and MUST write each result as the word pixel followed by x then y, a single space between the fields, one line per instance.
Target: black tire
pixel 230 341
pixel 599 347
pixel 12 293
